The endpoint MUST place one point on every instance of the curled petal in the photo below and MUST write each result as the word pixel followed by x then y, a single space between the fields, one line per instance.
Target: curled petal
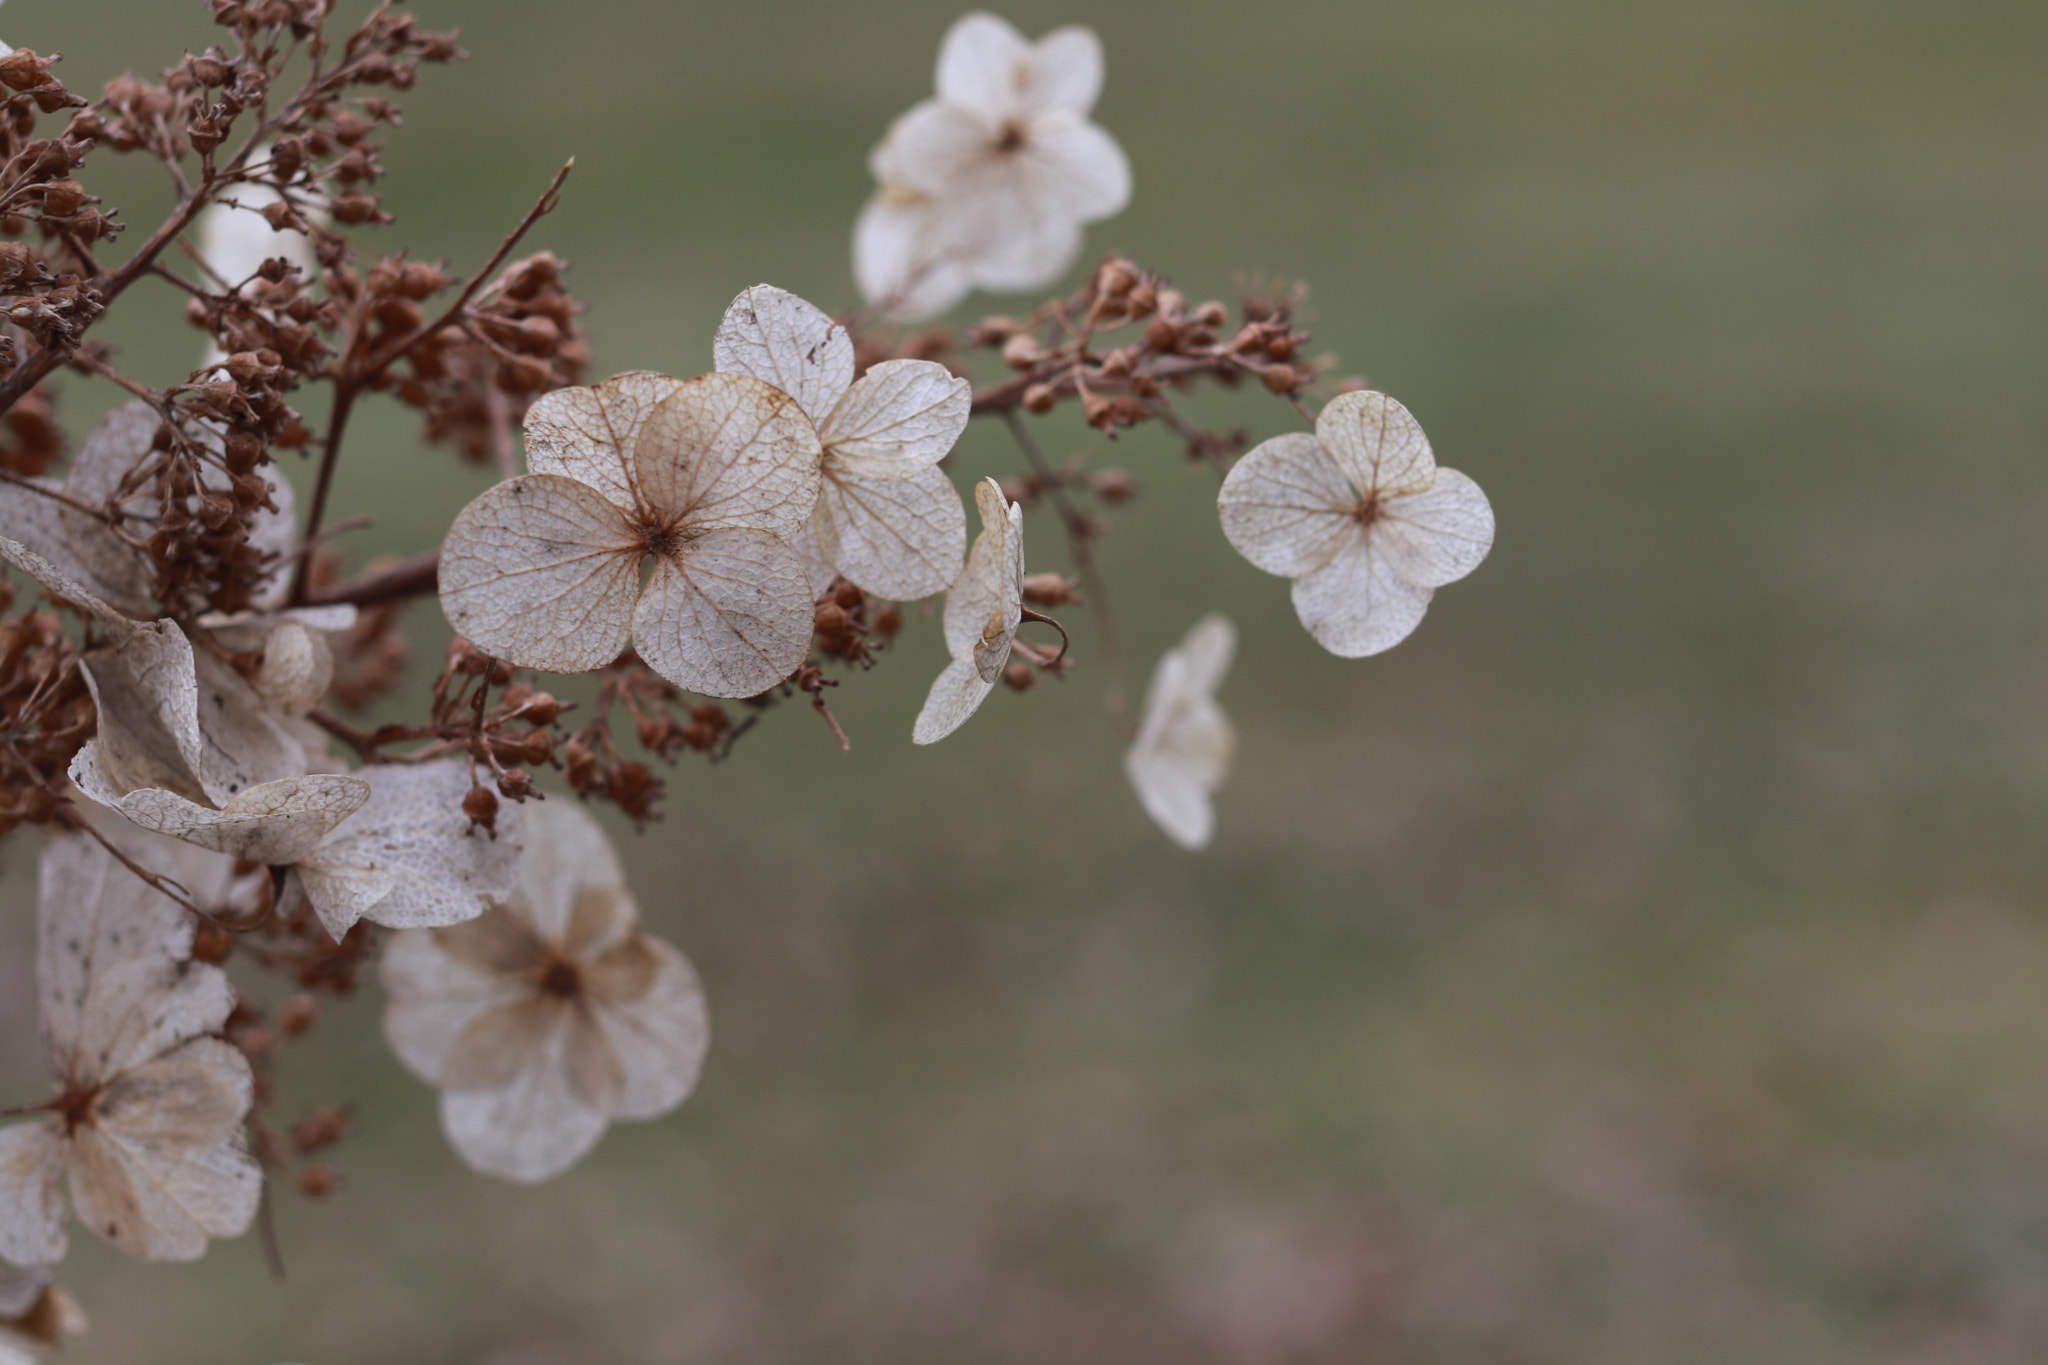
pixel 587 434
pixel 728 616
pixel 727 450
pixel 1356 604
pixel 788 344
pixel 1286 505
pixel 902 538
pixel 1439 535
pixel 298 666
pixel 1377 443
pixel 542 571
pixel 986 604
pixel 276 823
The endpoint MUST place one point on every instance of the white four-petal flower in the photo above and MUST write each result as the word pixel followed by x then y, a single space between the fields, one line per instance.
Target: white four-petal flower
pixel 550 1015
pixel 887 517
pixel 983 611
pixel 708 477
pixel 988 185
pixel 1362 520
pixel 1185 742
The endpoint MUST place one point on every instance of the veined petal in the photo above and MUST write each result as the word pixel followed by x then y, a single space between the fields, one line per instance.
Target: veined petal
pixel 157 1204
pixel 566 855
pixel 1081 172
pixel 729 615
pixel 587 434
pixel 276 823
pixel 1377 443
pixel 986 603
pixel 1286 505
pixel 1439 535
pixel 433 996
pixel 726 450
pixel 116 444
pixel 1356 604
pixel 658 1032
pixel 528 1130
pixel 788 344
pixel 542 571
pixel 956 694
pixel 985 66
pixel 902 538
pixel 903 415
pixel 242 744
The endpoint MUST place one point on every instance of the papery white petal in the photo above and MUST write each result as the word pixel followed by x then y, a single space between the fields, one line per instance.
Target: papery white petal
pixel 1066 72
pixel 242 743
pixel 236 239
pixel 542 571
pixel 942 151
pixel 985 605
pixel 903 416
pixel 529 1130
pixel 1356 604
pixel 902 538
pixel 433 996
pixel 984 65
pixel 1439 535
pixel 32 1157
pixel 1077 170
pixel 1377 443
pixel 726 450
pixel 772 335
pixel 117 443
pixel 566 854
pixel 1185 742
pixel 275 823
pixel 658 1029
pixel 587 434
pixel 728 616
pixel 901 260
pixel 1286 506
pixel 297 668
pixel 956 694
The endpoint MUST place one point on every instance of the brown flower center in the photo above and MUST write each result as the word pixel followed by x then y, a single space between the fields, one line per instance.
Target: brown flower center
pixel 1368 510
pixel 75 1106
pixel 560 979
pixel 1011 140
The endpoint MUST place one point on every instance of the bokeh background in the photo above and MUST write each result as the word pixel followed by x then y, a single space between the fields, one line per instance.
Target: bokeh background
pixel 1648 960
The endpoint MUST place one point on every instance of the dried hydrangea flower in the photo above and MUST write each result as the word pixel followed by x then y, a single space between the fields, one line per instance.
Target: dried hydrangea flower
pixel 549 1016
pixel 85 548
pixel 1362 520
pixel 887 517
pixel 185 746
pixel 988 185
pixel 147 1120
pixel 708 477
pixel 35 1314
pixel 983 611
pixel 409 858
pixel 1185 742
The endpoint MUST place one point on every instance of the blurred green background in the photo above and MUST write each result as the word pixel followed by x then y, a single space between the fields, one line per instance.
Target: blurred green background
pixel 1647 961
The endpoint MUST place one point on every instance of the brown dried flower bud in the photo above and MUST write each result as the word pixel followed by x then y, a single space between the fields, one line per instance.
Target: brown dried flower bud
pixel 1280 378
pixel 1022 351
pixel 355 208
pixel 888 621
pixel 1120 362
pixel 287 158
pixel 1144 298
pixel 64 198
pixel 515 783
pixel 1040 398
pixel 1050 589
pixel 1211 314
pixel 480 804
pixel 1162 335
pixel 541 709
pixel 242 452
pixel 1018 677
pixel 1280 347
pixel 298 1015
pixel 1096 409
pixel 1114 486
pixel 21 69
pixel 1115 279
pixel 992 331
pixel 316 1181
pixel 211 943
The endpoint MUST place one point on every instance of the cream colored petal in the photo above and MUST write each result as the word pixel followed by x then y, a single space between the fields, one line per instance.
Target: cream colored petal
pixel 32 521
pixel 944 152
pixel 1078 171
pixel 985 65
pixel 140 1009
pixel 148 733
pixel 601 919
pixel 162 1203
pixel 118 442
pixel 1286 506
pixel 1185 742
pixel 433 997
pixel 32 1157
pixel 501 1042
pixel 532 1129
pixel 726 450
pixel 1208 648
pixel 243 744
pixel 900 261
pixel 275 823
pixel 542 571
pixel 188 1099
pixel 587 434
pixel 1439 535
pixel 1066 72
pixel 956 694
pixel 788 344
pixel 985 604
pixel 1377 443
pixel 903 416
pixel 812 548
pixel 1030 255
pixel 646 999
pixel 342 893
pixel 728 616
pixel 236 239
pixel 596 1077
pixel 1356 604
pixel 298 666
pixel 412 830
pixel 901 538
pixel 567 854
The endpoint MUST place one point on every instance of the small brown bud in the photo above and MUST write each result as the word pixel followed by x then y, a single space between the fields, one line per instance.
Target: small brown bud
pixel 1049 589
pixel 992 331
pixel 64 198
pixel 317 1181
pixel 847 595
pixel 1280 378
pixel 21 69
pixel 1211 314
pixel 888 621
pixel 355 208
pixel 1144 298
pixel 1096 409
pixel 211 943
pixel 1162 335
pixel 1022 351
pixel 515 783
pixel 1120 362
pixel 481 806
pixel 256 1042
pixel 1114 486
pixel 1115 279
pixel 542 709
pixel 287 156
pixel 1280 347
pixel 298 1015
pixel 1040 398
pixel 579 766
pixel 829 619
pixel 1018 677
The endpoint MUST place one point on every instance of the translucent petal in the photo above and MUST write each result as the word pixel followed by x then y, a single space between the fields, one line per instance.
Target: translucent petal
pixel 242 743
pixel 1439 535
pixel 1377 444
pixel 1066 72
pixel 588 434
pixel 943 151
pixel 298 666
pixel 501 1042
pixel 1076 169
pixel 438 869
pixel 1185 742
pixel 1356 604
pixel 811 551
pixel 902 538
pixel 529 1130
pixel 1286 505
pixel 276 823
pixel 901 262
pixel 184 1099
pixel 659 1032
pixel 985 605
pixel 147 701
pixel 956 694
pixel 566 854
pixel 903 416
pixel 433 996
pixel 788 344
pixel 542 571
pixel 32 1157
pixel 985 65
pixel 117 443
pixel 727 450
pixel 728 616
pixel 1033 254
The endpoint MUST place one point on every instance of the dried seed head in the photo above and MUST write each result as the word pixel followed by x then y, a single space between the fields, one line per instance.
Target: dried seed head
pixel 1022 351
pixel 481 806
pixel 1280 378
pixel 1040 398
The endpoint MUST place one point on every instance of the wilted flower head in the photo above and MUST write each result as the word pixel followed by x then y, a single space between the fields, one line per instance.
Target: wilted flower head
pixel 550 1015
pixel 1185 742
pixel 146 1123
pixel 983 610
pixel 708 477
pixel 887 517
pixel 1362 520
pixel 988 185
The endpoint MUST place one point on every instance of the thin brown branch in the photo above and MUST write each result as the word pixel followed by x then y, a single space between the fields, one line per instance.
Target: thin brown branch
pixel 414 578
